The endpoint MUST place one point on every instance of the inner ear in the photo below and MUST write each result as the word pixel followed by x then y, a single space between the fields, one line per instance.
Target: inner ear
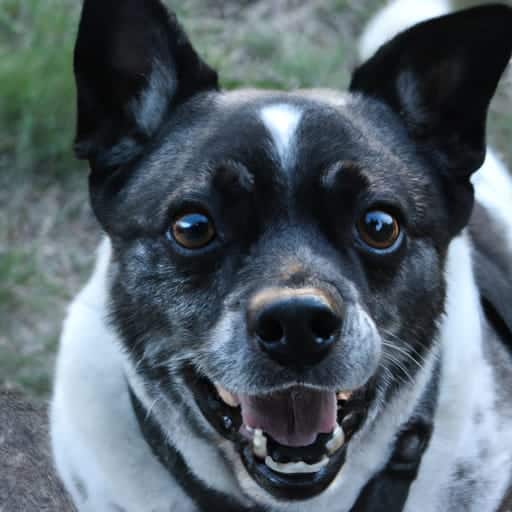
pixel 133 65
pixel 439 77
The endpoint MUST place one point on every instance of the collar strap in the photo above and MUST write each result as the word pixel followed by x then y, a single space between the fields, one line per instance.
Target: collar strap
pixel 387 490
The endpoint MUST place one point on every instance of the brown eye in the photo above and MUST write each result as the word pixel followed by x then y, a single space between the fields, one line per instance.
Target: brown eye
pixel 193 230
pixel 378 230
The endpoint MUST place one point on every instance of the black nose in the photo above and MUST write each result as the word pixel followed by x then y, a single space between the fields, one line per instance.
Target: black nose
pixel 296 330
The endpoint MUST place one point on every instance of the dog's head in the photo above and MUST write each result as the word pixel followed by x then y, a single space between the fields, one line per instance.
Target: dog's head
pixel 278 258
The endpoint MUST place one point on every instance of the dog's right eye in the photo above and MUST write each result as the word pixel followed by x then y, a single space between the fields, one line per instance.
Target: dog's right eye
pixel 193 230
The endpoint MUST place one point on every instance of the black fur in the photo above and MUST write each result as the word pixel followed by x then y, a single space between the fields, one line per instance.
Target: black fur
pixel 407 141
pixel 120 46
pixel 440 76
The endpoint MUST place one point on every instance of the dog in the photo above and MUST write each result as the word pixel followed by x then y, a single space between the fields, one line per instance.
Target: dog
pixel 299 304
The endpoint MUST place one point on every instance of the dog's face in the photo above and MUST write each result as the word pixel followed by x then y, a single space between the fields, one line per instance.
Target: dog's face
pixel 279 258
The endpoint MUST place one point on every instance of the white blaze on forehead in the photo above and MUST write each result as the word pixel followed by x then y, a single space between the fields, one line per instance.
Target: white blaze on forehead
pixel 281 121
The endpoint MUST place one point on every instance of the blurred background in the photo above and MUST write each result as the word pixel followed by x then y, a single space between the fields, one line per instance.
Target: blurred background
pixel 47 232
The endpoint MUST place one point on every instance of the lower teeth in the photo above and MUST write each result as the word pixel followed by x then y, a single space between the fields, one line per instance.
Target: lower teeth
pixel 290 468
pixel 337 440
pixel 259 448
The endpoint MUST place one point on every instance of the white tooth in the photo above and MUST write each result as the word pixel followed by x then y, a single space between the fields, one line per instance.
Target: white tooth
pixel 289 468
pixel 259 444
pixel 227 397
pixel 337 440
pixel 343 395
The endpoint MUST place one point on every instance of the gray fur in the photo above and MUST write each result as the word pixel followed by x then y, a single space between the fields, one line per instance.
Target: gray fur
pixel 28 481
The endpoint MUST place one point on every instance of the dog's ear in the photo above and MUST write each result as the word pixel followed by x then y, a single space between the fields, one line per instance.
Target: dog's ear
pixel 439 77
pixel 133 64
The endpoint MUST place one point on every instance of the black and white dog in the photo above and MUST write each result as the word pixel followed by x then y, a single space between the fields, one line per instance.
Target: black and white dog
pixel 298 305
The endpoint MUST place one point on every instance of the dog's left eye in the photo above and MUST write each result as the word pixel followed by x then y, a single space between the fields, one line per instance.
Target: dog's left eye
pixel 193 230
pixel 378 230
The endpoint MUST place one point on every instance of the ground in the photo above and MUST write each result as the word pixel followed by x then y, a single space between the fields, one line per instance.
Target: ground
pixel 47 232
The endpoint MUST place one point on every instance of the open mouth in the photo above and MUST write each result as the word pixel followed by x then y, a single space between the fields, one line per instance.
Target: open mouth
pixel 292 442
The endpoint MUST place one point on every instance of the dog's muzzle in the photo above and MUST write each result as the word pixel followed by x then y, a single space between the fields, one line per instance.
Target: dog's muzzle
pixel 293 439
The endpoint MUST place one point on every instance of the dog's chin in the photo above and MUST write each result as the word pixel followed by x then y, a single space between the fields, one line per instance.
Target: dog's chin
pixel 290 462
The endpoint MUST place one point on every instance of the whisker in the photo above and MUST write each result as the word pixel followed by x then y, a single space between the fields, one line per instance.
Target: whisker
pixel 150 408
pixel 403 342
pixel 398 364
pixel 404 352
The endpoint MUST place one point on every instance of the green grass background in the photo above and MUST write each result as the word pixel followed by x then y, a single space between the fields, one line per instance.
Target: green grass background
pixel 47 233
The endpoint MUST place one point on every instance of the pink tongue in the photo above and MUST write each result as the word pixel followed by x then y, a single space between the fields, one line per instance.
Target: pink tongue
pixel 293 417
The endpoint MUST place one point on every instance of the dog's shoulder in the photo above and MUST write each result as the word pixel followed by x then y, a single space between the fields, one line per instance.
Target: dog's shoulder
pixel 492 261
pixel 493 265
pixel 491 233
pixel 28 482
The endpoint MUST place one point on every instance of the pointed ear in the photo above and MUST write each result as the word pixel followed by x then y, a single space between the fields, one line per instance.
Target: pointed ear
pixel 439 77
pixel 133 64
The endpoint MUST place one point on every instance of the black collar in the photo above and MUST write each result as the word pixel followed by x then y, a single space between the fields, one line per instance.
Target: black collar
pixel 386 491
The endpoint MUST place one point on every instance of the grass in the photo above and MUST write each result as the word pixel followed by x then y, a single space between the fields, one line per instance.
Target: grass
pixel 37 90
pixel 36 100
pixel 47 233
pixel 26 364
pixel 41 266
